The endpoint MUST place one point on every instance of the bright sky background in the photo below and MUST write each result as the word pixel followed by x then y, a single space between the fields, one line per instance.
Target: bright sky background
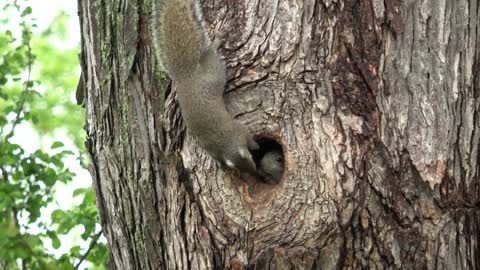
pixel 44 12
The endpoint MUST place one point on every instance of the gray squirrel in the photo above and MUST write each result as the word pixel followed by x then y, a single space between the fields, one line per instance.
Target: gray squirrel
pixel 191 60
pixel 271 166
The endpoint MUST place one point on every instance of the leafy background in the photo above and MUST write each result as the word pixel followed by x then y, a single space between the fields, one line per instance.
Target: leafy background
pixel 48 218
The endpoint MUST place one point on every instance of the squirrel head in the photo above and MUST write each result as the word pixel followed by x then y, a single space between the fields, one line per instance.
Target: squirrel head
pixel 241 160
pixel 237 153
pixel 273 159
pixel 271 166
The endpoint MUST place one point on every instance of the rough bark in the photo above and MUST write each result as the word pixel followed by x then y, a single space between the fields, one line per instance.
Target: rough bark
pixel 376 104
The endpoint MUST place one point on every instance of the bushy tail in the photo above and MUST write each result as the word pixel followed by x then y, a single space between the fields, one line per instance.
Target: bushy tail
pixel 179 35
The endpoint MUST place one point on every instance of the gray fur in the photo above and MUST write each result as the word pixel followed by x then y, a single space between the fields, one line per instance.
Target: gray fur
pixel 191 60
pixel 271 166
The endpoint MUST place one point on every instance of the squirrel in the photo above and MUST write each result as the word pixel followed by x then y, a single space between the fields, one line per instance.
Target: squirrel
pixel 191 60
pixel 271 167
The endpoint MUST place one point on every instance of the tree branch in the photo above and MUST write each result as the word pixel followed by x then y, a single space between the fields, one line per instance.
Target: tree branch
pixel 92 245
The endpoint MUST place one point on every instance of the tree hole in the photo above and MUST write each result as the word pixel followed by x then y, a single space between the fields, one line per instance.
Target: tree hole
pixel 269 160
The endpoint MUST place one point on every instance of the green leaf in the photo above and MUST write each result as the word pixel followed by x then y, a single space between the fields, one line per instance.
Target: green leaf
pixel 50 177
pixel 3 80
pixel 26 11
pixel 56 242
pixel 80 191
pixel 8 160
pixel 57 145
pixel 57 215
pixel 75 250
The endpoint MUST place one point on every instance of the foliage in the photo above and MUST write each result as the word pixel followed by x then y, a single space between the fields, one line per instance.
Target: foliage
pixel 28 178
pixel 60 77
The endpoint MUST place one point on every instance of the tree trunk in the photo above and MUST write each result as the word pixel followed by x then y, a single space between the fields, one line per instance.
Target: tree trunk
pixel 375 103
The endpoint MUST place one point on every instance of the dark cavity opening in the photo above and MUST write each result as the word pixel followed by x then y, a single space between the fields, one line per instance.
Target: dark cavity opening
pixel 269 160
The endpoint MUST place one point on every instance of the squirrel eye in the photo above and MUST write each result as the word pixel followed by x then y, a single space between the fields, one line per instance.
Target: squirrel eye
pixel 279 159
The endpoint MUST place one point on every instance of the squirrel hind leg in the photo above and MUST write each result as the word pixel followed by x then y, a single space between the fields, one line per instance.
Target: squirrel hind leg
pixel 210 52
pixel 217 42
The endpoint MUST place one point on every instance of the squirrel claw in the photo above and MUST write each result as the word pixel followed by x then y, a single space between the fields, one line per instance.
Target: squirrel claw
pixel 217 42
pixel 252 144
